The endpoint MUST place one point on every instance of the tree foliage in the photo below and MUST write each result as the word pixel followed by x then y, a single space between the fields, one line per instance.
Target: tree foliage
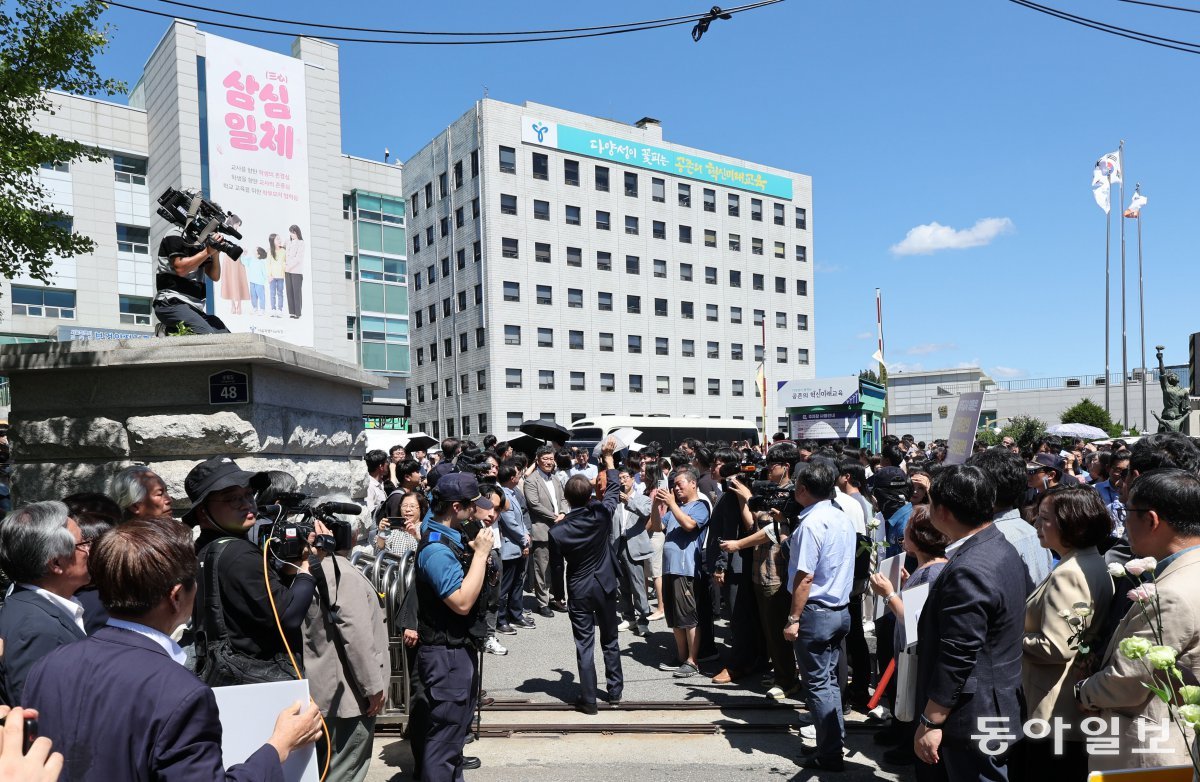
pixel 1092 414
pixel 1024 429
pixel 44 45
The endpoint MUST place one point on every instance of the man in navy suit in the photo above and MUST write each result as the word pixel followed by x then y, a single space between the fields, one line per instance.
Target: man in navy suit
pixel 120 705
pixel 583 538
pixel 43 552
pixel 969 635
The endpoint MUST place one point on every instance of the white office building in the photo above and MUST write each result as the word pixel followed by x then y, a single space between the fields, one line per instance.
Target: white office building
pixel 564 266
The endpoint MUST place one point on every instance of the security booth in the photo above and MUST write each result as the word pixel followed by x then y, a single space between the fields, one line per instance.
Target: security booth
pixel 849 409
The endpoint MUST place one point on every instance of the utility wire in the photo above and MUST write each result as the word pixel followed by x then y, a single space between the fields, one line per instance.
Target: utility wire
pixel 1161 5
pixel 617 29
pixel 1123 32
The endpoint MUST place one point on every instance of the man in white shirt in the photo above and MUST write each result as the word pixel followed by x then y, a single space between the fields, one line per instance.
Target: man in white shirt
pixel 377 471
pixel 583 467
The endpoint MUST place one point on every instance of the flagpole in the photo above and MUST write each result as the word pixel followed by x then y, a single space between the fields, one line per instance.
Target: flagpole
pixel 1107 306
pixel 1124 332
pixel 1142 317
pixel 882 365
pixel 766 440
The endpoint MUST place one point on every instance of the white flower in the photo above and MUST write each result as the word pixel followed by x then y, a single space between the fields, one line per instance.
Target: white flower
pixel 1115 570
pixel 1150 563
pixel 1135 567
pixel 1064 613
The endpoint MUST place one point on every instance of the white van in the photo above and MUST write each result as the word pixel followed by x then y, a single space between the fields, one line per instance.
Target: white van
pixel 667 431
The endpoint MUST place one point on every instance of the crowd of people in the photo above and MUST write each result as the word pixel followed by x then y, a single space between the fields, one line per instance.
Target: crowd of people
pixel 762 563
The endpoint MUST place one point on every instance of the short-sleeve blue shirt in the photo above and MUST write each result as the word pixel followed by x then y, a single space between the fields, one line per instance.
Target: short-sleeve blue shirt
pixel 681 547
pixel 437 564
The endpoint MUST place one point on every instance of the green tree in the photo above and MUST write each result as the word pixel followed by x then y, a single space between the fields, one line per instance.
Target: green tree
pixel 1025 430
pixel 1092 414
pixel 44 45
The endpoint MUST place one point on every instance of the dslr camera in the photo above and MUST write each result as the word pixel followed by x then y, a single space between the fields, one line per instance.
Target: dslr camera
pixel 288 523
pixel 199 219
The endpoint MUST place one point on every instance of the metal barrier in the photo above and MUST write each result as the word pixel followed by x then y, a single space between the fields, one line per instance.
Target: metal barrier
pixel 392 576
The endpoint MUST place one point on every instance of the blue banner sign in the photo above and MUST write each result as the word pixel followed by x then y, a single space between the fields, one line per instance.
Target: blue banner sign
pixel 86 333
pixel 634 153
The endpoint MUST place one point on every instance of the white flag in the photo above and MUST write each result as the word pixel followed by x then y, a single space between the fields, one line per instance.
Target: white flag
pixel 878 356
pixel 1110 166
pixel 1136 204
pixel 1100 189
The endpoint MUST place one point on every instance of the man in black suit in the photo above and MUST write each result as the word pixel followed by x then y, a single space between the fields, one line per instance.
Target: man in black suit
pixel 969 636
pixel 583 538
pixel 43 552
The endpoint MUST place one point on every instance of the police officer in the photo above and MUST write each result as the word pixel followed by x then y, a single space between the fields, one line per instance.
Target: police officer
pixel 451 621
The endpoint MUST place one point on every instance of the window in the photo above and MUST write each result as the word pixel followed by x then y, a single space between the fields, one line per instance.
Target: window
pixel 633 305
pixel 688 348
pixel 509 248
pixel 442 185
pixel 608 381
pixel 420 393
pixel 135 310
pixel 508 160
pixel 780 250
pixel 735 278
pixel 758 317
pixel 801 321
pixel 574 215
pixel 449 387
pixel 460 259
pixel 631 225
pixel 802 355
pixel 635 384
pixel 479 294
pixel 801 287
pixel 660 308
pixel 477 251
pixel 633 264
pixel 462 347
pixel 604 301
pixel 801 253
pixel 662 346
pixel 685 194
pixel 415 204
pixel 739 387
pixel 43 302
pixel 662 384
pixel 575 298
pixel 541 166
pixel 602 220
pixel 577 382
pixel 710 238
pixel 778 209
pixel 541 252
pixel 602 178
pixel 133 240
pixel 475 208
pixel 685 234
pixel 514 421
pixel 635 343
pixel 420 318
pixel 545 337
pixel 462 300
pixel 466 424
pixel 801 218
pixel 483 421
pixel 710 275
pixel 660 229
pixel 448 348
pixel 541 210
pixel 437 430
pixel 781 320
pixel 575 340
pixel 780 355
pixel 735 314
pixel 131 170
pixel 606 342
pixel 660 268
pixel 756 209
pixel 544 294
pixel 712 350
pixel 687 310
pixel 658 190
pixel 757 282
pixel 756 246
pixel 711 312
pixel 417 278
pixel 433 352
pixel 574 256
pixel 481 380
pixel 512 291
pixel 714 386
pixel 735 242
pixel 446 267
pixel 631 184
pixel 475 173
pixel 735 208
pixel 603 261
pixel 735 351
pixel 571 172
pixel 428 194
pixel 685 272
pixel 512 378
pixel 431 313
pixel 780 285
pixel 546 379
pixel 710 200
pixel 458 182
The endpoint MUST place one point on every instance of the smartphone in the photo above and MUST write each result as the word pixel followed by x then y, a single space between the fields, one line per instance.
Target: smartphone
pixel 31 733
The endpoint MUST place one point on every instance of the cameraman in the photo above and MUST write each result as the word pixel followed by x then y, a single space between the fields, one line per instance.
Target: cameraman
pixel 237 604
pixel 182 268
pixel 451 569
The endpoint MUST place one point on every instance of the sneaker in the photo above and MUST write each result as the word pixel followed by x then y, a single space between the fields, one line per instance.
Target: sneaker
pixel 505 630
pixel 523 624
pixel 686 670
pixel 808 732
pixel 624 625
pixel 655 616
pixel 779 693
pixel 492 646
pixel 669 665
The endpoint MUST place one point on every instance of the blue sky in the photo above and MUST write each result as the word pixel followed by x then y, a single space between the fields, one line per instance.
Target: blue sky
pixel 904 114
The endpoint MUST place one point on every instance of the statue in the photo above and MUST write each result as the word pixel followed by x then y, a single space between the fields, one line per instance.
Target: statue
pixel 1176 405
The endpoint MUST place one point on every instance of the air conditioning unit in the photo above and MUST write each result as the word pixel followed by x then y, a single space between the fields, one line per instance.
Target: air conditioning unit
pixel 1100 381
pixel 1072 382
pixel 1136 375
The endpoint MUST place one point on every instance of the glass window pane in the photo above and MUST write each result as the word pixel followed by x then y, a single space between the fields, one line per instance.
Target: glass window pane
pixel 370 296
pixel 370 237
pixel 393 240
pixel 397 299
pixel 374 355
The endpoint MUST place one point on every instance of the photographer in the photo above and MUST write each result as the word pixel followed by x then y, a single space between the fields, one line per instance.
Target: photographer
pixel 182 268
pixel 237 603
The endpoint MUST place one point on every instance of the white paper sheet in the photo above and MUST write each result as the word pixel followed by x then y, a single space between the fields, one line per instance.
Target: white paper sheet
pixel 914 604
pixel 891 568
pixel 248 714
pixel 624 436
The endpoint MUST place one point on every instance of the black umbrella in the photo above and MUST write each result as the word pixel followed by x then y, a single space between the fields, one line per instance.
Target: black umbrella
pixel 523 443
pixel 546 430
pixel 418 441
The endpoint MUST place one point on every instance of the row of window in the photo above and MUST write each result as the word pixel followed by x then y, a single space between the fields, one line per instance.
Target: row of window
pixel 510 246
pixel 513 421
pixel 460 221
pixel 435 426
pixel 444 184
pixel 514 379
pixel 545 293
pixel 126 168
pixel 460 258
pixel 43 302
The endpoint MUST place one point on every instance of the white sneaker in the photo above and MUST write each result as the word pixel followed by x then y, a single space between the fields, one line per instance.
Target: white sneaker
pixel 808 732
pixel 624 625
pixel 492 646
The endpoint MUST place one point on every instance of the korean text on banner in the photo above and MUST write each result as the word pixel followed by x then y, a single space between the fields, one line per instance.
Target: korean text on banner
pixel 962 431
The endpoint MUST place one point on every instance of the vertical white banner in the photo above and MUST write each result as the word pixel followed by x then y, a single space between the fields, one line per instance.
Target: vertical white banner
pixel 258 169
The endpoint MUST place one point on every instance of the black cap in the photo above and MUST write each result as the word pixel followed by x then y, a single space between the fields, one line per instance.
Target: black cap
pixel 215 474
pixel 460 487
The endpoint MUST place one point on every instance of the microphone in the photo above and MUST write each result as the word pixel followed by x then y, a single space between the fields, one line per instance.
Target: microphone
pixel 345 508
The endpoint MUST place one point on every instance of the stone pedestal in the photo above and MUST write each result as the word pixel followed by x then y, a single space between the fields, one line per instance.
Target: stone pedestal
pixel 82 411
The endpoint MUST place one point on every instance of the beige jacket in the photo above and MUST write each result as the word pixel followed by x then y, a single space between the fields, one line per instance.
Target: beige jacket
pixel 1117 688
pixel 1046 663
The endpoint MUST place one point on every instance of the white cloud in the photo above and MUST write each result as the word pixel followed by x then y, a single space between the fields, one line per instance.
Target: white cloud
pixel 865 335
pixel 972 364
pixel 927 239
pixel 1007 372
pixel 926 348
pixel 826 268
pixel 904 366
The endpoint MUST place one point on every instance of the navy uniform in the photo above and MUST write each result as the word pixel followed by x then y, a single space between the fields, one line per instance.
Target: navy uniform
pixel 447 656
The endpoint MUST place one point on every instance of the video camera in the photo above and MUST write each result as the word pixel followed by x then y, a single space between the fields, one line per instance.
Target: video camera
pixel 200 219
pixel 288 535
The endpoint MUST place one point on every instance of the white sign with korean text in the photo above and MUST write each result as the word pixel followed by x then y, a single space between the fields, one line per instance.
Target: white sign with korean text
pixel 827 392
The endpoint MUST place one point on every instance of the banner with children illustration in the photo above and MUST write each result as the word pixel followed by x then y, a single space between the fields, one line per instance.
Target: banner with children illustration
pixel 258 169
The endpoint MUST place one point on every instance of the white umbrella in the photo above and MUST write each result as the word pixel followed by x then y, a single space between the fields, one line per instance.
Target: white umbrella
pixel 1078 430
pixel 625 437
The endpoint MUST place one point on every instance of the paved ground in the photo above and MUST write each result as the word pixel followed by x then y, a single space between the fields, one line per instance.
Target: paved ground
pixel 540 669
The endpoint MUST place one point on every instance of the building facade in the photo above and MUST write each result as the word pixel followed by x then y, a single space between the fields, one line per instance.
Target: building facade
pixel 356 242
pixel 565 266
